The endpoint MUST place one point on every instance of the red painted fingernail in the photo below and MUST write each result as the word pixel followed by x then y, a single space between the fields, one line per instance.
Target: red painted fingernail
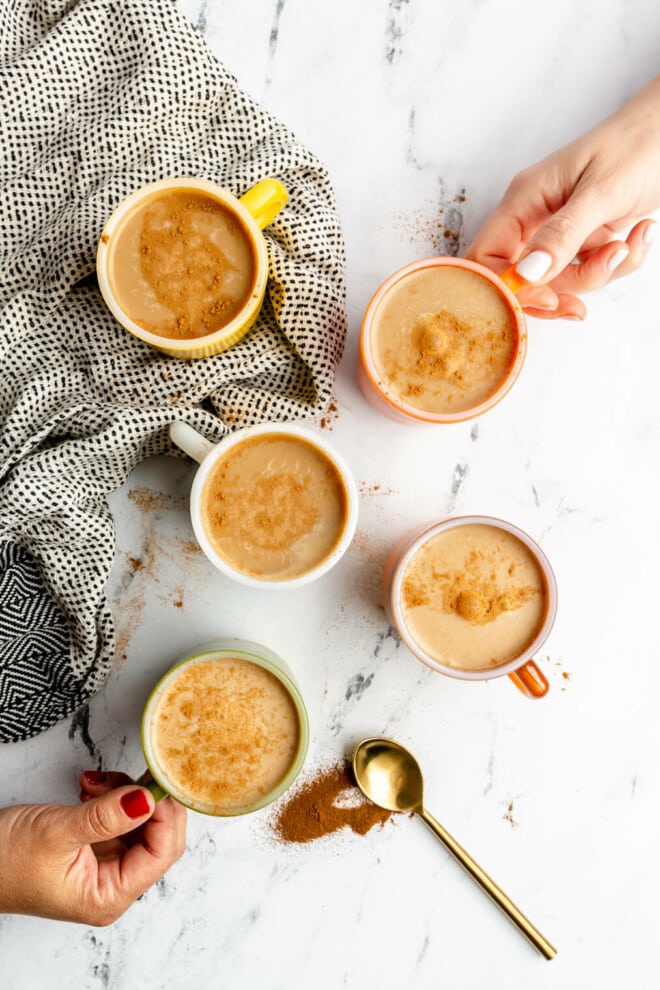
pixel 95 777
pixel 135 804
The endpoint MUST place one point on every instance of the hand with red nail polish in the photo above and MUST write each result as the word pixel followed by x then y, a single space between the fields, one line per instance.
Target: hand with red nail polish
pixel 559 220
pixel 88 863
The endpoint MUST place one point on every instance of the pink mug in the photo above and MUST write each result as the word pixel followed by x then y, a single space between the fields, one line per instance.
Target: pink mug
pixel 522 669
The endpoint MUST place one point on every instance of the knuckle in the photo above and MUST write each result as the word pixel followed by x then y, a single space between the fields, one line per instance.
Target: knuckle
pixel 632 263
pixel 101 911
pixel 520 181
pixel 562 224
pixel 100 819
pixel 103 919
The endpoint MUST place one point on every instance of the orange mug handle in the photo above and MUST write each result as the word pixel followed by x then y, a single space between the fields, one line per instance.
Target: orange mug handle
pixel 530 680
pixel 512 279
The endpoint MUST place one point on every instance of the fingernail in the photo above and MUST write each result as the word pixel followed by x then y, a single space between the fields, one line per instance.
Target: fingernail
pixel 573 316
pixel 135 804
pixel 649 233
pixel 95 777
pixel 617 259
pixel 534 266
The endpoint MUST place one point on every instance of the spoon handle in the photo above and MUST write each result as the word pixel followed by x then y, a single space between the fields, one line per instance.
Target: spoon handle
pixel 489 887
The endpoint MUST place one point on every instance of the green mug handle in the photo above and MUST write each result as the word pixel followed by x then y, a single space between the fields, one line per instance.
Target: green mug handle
pixel 146 780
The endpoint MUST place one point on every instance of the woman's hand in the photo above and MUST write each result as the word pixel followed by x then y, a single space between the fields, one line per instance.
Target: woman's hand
pixel 572 205
pixel 87 863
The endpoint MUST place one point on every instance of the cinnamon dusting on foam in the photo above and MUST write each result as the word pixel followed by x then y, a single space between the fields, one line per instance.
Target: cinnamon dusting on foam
pixel 182 266
pixel 275 506
pixel 473 596
pixel 475 593
pixel 225 732
pixel 442 339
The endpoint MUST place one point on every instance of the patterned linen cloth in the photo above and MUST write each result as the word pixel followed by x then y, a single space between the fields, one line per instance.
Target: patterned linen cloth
pixel 97 98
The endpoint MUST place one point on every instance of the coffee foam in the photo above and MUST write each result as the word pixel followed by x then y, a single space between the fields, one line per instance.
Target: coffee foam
pixel 181 265
pixel 274 507
pixel 224 732
pixel 473 597
pixel 443 339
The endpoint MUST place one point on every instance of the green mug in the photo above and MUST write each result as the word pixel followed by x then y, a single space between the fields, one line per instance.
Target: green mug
pixel 225 731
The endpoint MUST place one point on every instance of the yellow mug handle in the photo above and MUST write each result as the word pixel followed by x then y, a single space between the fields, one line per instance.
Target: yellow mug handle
pixel 265 200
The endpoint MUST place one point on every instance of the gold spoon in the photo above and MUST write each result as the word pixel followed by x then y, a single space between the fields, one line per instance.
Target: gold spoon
pixel 391 777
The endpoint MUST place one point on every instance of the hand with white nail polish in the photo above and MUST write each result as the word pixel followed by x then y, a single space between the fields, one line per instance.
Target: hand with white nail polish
pixel 559 220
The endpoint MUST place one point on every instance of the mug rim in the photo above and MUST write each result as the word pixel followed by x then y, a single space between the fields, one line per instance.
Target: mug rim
pixel 261 656
pixel 422 535
pixel 414 413
pixel 288 429
pixel 258 244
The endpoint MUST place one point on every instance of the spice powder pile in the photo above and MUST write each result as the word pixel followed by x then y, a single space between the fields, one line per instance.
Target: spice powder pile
pixel 325 803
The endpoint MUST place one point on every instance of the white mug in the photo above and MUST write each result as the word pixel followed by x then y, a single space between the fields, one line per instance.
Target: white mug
pixel 207 454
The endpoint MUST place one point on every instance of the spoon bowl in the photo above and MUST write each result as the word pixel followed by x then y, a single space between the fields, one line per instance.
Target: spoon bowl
pixel 390 776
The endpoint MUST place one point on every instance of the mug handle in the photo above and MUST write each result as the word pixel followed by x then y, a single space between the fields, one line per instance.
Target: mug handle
pixel 146 780
pixel 265 200
pixel 530 680
pixel 512 279
pixel 192 442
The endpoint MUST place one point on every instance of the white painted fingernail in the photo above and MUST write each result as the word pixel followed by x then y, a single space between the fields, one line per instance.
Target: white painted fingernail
pixel 617 259
pixel 534 266
pixel 649 233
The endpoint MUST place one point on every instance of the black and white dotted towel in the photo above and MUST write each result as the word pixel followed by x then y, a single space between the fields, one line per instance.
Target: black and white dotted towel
pixel 98 97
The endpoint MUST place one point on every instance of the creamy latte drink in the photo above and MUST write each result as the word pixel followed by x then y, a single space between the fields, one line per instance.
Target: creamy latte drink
pixel 442 339
pixel 274 507
pixel 224 733
pixel 181 264
pixel 473 597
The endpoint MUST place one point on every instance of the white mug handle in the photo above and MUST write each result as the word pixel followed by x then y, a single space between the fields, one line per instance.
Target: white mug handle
pixel 194 444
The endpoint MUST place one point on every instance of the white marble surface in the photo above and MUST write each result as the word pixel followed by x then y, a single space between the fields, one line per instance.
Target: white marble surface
pixel 411 102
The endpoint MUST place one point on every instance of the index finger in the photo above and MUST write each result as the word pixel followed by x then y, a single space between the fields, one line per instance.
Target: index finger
pixel 161 844
pixel 516 218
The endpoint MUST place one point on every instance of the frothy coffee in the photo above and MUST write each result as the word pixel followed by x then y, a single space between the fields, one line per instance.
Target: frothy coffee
pixel 225 732
pixel 181 265
pixel 275 507
pixel 473 597
pixel 442 339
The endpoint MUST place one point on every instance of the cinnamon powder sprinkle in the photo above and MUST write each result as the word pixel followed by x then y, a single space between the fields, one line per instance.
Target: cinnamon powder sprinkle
pixel 185 268
pixel 473 593
pixel 324 804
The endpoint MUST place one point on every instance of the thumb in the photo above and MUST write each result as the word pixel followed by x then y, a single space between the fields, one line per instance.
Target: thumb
pixel 113 814
pixel 557 242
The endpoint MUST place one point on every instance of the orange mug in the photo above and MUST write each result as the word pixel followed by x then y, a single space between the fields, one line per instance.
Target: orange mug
pixel 522 669
pixel 385 400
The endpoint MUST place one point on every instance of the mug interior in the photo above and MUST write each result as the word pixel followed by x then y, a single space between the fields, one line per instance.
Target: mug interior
pixel 415 413
pixel 295 432
pixel 394 597
pixel 261 657
pixel 122 214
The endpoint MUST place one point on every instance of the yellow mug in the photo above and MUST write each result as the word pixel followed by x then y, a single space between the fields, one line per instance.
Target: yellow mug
pixel 254 211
